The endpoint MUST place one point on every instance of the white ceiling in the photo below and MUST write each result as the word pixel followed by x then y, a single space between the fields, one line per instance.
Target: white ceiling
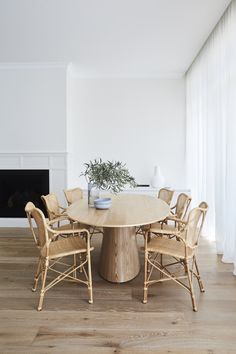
pixel 118 38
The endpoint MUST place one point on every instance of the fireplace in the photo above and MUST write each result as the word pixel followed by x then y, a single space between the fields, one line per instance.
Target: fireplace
pixel 17 187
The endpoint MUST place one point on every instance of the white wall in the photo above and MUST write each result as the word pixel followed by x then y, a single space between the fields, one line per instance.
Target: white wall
pixel 138 121
pixel 33 108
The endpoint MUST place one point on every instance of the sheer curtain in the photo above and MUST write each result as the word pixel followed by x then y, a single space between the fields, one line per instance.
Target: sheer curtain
pixel 211 133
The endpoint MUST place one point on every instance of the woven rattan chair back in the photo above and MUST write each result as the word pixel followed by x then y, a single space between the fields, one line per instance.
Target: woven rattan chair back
pixel 72 195
pixel 166 195
pixel 28 209
pixel 182 205
pixel 194 226
pixel 40 234
pixel 52 205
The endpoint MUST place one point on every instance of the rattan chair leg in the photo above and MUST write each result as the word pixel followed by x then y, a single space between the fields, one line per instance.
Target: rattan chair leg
pixel 90 292
pixel 192 270
pixel 148 240
pixel 145 294
pixel 75 265
pixel 161 262
pixel 37 274
pixel 146 269
pixel 191 287
pixel 90 284
pixel 200 283
pixel 44 276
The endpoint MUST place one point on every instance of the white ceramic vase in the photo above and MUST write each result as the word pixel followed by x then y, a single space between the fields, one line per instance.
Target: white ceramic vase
pixel 157 180
pixel 93 193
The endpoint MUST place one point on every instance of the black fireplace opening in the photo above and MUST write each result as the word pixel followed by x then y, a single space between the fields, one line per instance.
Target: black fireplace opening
pixel 17 187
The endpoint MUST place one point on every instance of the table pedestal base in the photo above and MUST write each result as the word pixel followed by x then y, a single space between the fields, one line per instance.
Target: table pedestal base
pixel 119 258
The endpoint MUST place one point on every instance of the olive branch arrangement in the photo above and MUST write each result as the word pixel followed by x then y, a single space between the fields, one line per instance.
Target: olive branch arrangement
pixel 109 175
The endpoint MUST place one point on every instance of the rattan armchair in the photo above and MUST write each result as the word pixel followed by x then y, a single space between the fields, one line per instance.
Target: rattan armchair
pixel 52 249
pixel 164 194
pixel 56 213
pixel 180 209
pixel 72 195
pixel 181 249
pixel 176 217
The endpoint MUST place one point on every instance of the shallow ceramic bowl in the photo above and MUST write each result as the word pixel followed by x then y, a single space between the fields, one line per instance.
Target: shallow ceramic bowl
pixel 102 203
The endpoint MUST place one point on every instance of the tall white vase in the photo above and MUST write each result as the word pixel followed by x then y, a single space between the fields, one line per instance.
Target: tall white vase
pixel 157 180
pixel 93 193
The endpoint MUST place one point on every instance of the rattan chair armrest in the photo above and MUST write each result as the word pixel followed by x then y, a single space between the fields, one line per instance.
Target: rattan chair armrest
pixel 54 232
pixel 171 216
pixel 72 231
pixel 57 215
pixel 78 231
pixel 177 220
pixel 180 221
pixel 65 232
pixel 57 219
pixel 62 208
pixel 61 215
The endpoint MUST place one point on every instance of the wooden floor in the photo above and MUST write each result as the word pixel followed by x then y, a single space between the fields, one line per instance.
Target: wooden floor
pixel 117 322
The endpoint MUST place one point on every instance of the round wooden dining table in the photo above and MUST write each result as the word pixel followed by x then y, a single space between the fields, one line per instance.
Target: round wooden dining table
pixel 119 257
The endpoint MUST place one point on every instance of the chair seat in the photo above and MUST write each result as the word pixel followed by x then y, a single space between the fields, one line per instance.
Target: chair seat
pixel 66 247
pixel 169 247
pixel 163 229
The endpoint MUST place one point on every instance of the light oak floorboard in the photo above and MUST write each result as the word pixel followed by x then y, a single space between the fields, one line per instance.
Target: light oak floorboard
pixel 117 322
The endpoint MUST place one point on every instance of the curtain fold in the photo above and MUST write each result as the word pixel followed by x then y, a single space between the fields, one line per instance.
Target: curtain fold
pixel 211 133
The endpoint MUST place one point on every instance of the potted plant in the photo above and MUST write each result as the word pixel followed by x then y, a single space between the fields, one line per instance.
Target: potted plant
pixel 111 176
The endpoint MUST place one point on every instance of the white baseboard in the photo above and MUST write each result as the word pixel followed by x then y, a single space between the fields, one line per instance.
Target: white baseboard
pixel 14 222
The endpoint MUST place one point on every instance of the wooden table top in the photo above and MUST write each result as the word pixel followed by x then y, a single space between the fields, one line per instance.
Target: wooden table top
pixel 127 210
